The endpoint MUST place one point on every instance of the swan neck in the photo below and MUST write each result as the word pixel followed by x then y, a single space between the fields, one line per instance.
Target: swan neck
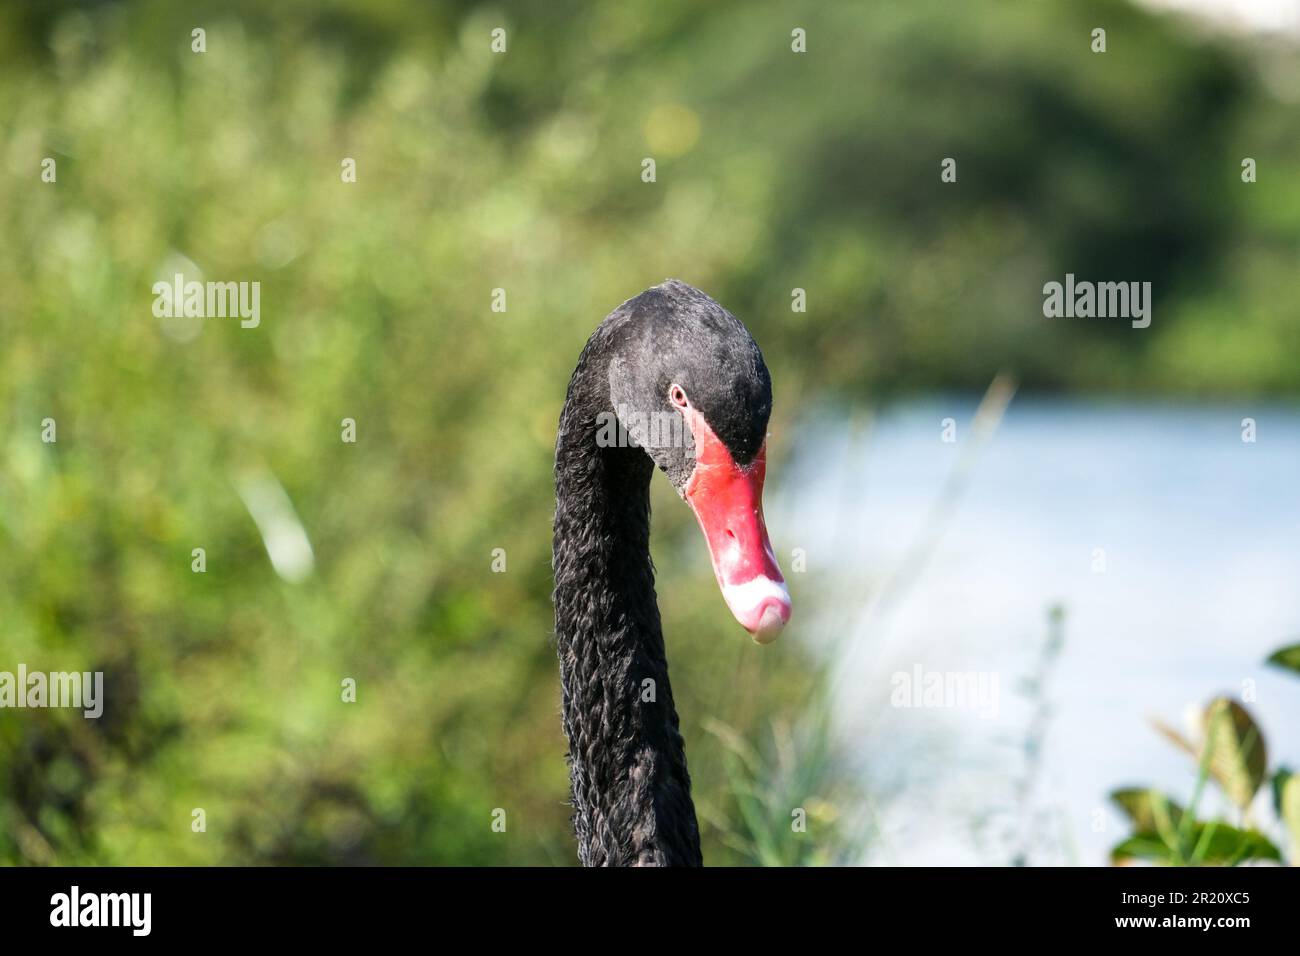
pixel 629 784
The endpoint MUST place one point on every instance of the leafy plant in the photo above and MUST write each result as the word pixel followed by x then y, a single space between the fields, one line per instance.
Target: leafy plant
pixel 1286 801
pixel 1287 657
pixel 790 802
pixel 1230 750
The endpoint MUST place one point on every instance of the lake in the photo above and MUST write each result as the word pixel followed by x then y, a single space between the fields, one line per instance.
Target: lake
pixel 1172 545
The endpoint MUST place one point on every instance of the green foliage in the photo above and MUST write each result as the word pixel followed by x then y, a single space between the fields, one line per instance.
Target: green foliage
pixel 224 687
pixel 1235 749
pixel 1149 810
pixel 1287 658
pixel 1202 844
pixel 794 802
pixel 1231 752
pixel 1286 801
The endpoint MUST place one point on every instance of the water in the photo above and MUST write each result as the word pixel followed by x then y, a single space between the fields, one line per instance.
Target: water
pixel 1171 544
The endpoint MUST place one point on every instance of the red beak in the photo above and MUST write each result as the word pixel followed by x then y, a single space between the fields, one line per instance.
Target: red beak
pixel 728 502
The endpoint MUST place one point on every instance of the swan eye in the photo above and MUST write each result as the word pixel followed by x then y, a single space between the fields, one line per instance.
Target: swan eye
pixel 677 396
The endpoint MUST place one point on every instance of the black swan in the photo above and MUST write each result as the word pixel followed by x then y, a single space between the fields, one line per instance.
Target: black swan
pixel 685 388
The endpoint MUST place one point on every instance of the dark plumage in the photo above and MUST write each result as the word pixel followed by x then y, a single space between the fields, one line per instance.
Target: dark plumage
pixel 630 788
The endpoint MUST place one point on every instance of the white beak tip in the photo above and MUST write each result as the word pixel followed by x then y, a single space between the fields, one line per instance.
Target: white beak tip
pixel 769 627
pixel 761 605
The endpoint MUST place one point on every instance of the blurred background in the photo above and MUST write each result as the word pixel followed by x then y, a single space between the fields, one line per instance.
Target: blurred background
pixel 1097 535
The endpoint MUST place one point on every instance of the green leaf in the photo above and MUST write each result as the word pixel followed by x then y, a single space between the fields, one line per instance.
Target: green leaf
pixel 1142 806
pixel 1235 746
pixel 1281 777
pixel 1286 798
pixel 1220 844
pixel 1144 846
pixel 1287 657
pixel 1216 844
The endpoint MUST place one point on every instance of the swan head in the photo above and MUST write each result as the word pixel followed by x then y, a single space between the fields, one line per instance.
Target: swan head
pixel 689 386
